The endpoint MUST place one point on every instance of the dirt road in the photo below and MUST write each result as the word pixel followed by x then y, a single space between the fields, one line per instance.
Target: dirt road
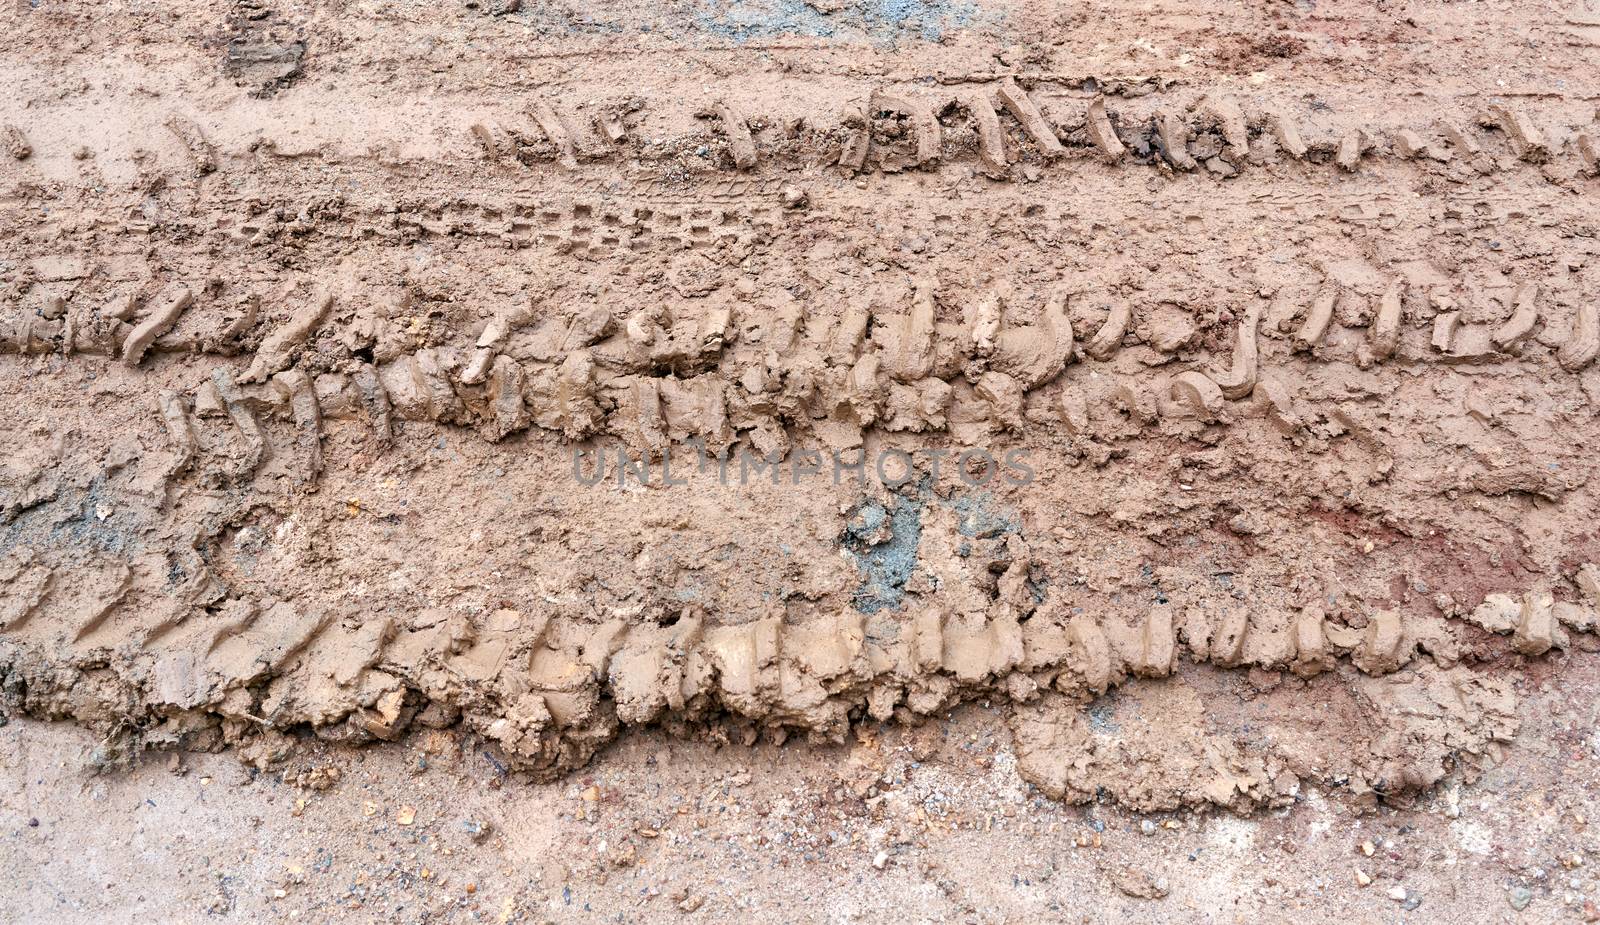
pixel 1189 408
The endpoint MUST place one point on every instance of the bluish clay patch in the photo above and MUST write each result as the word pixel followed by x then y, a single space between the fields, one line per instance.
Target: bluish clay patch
pixel 1102 716
pixel 883 541
pixel 879 20
pixel 979 518
pixel 882 22
pixel 69 522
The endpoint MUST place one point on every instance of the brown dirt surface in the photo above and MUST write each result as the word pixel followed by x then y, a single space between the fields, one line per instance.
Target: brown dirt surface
pixel 966 460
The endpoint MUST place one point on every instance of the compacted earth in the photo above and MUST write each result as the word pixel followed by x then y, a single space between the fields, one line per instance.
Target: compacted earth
pixel 841 460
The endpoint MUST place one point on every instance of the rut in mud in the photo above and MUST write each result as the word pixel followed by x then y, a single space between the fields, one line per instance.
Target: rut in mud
pixel 1265 403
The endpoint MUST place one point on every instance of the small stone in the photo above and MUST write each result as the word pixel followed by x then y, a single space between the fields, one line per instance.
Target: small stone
pixel 1140 884
pixel 1221 167
pixel 1147 827
pixel 1398 894
pixel 17 143
pixel 1362 879
pixel 793 197
pixel 624 855
pixel 407 815
pixel 1519 897
pixel 880 859
pixel 1367 848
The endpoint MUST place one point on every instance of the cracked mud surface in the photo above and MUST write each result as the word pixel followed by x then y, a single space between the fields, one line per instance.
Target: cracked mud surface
pixel 727 374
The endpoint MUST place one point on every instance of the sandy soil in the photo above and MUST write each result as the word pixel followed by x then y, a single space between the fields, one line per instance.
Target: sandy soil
pixel 1223 380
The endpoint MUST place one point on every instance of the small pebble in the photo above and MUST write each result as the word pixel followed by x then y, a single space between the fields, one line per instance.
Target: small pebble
pixel 1147 827
pixel 1519 897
